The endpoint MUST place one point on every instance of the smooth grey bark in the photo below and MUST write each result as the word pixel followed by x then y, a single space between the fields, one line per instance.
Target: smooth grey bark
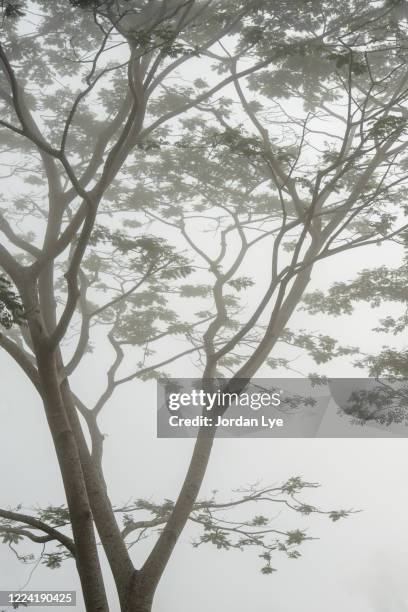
pixel 87 558
pixel 86 554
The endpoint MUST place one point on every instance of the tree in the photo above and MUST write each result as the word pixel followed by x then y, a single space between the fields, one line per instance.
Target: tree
pixel 385 401
pixel 303 106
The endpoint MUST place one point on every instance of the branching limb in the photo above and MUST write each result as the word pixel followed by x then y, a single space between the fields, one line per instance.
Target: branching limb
pixel 30 521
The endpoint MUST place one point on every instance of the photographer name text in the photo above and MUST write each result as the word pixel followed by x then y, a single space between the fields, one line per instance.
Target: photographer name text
pixel 222 421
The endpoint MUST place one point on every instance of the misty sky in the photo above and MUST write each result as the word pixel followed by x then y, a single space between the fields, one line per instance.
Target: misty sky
pixel 358 564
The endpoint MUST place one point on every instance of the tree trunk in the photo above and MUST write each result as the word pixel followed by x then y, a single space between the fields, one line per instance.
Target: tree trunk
pixel 155 564
pixel 111 538
pixel 86 553
pixel 140 594
pixel 99 502
pixel 140 606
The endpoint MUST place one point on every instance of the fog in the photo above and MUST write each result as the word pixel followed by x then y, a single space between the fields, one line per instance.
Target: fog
pixel 358 564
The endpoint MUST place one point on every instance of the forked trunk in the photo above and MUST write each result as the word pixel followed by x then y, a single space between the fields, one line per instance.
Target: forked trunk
pixel 86 554
pixel 140 594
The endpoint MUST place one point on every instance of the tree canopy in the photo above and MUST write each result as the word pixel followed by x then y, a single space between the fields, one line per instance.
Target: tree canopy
pixel 174 173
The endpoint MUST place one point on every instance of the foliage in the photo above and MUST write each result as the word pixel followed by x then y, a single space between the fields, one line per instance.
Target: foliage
pixel 224 524
pixel 11 309
pixel 235 144
pixel 385 402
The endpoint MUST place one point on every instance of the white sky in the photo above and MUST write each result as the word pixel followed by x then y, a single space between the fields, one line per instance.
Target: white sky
pixel 358 564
